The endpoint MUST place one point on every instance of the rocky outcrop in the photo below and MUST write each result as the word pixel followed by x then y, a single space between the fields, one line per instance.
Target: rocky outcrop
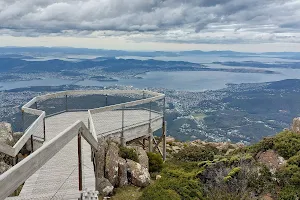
pixel 112 165
pixel 100 158
pixel 271 159
pixel 170 139
pixel 4 167
pixel 142 156
pixel 122 173
pixel 6 134
pixel 138 175
pixel 296 125
pixel 6 137
pixel 104 187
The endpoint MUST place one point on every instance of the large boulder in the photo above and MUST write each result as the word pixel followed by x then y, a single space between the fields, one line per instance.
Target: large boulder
pixel 142 156
pixel 4 167
pixel 138 175
pixel 296 125
pixel 271 159
pixel 100 158
pixel 104 187
pixel 112 163
pixel 122 173
pixel 6 134
pixel 6 137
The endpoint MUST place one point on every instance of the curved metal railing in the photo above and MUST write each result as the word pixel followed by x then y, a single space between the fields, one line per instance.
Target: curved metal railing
pixel 146 100
pixel 16 175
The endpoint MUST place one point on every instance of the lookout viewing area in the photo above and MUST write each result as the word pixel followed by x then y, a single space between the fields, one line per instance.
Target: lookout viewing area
pixel 62 131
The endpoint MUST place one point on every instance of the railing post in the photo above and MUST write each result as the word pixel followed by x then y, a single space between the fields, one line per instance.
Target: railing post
pixel 66 103
pixel 23 121
pixel 150 131
pixel 31 140
pixel 122 134
pixel 164 107
pixel 150 110
pixel 79 161
pixel 106 100
pixel 164 129
pixel 44 124
pixel 36 105
pixel 143 94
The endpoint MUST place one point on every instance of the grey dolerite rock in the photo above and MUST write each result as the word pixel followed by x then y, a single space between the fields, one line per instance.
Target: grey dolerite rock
pixel 296 125
pixel 142 156
pixel 111 163
pixel 122 173
pixel 6 133
pixel 100 158
pixel 139 175
pixel 104 187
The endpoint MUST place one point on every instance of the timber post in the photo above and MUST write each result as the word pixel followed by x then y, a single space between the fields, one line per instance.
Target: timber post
pixel 164 140
pixel 79 160
pixel 31 141
pixel 123 144
pixel 150 139
pixel 106 100
pixel 66 103
pixel 44 129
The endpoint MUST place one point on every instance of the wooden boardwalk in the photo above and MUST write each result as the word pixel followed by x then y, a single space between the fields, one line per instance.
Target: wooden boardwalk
pixel 58 178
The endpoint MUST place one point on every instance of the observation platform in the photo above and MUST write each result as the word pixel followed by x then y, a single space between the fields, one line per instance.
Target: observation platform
pixel 58 177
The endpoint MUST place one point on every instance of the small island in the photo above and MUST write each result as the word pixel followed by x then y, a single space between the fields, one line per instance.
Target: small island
pixel 103 78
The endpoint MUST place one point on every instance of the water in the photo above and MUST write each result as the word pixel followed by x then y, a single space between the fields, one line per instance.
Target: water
pixel 182 80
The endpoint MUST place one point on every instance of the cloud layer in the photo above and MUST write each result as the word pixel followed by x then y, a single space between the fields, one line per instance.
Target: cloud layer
pixel 179 21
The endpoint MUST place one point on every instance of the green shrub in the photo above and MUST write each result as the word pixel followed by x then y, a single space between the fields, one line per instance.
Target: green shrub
pixel 155 162
pixel 196 153
pixel 151 193
pixel 289 193
pixel 128 153
pixel 185 188
pixel 294 160
pixel 289 175
pixel 287 144
pixel 261 181
pixel 232 173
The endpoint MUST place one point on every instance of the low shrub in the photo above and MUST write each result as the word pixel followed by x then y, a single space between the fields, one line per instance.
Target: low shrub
pixel 184 188
pixel 128 153
pixel 287 144
pixel 155 162
pixel 294 160
pixel 289 193
pixel 196 153
pixel 232 173
pixel 289 175
pixel 151 193
pixel 264 145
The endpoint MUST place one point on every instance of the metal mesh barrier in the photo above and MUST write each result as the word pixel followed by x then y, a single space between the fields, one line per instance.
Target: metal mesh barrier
pixel 53 106
pixel 114 99
pixel 38 130
pixel 126 116
pixel 107 121
pixel 28 120
pixel 85 102
pixel 158 106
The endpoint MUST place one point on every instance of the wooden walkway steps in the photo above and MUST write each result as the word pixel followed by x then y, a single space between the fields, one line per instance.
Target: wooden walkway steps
pixel 58 178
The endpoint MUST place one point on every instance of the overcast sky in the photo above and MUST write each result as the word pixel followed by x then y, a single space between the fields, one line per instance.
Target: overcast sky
pixel 241 25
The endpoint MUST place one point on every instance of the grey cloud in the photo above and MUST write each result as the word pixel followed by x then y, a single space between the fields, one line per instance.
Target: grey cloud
pixel 227 20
